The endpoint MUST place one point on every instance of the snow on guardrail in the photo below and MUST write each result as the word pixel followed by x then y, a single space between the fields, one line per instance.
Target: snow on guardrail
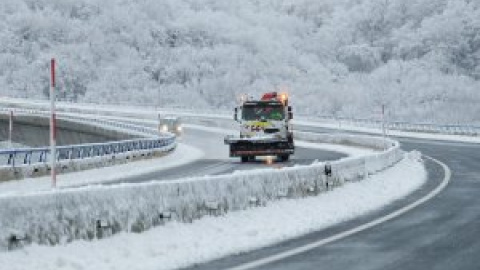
pixel 22 162
pixel 62 216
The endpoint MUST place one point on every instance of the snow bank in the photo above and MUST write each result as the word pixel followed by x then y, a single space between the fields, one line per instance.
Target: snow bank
pixel 10 145
pixel 177 245
pixel 61 216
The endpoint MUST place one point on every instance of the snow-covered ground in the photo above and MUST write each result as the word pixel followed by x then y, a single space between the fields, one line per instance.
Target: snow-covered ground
pixel 351 151
pixel 178 245
pixel 183 154
pixel 9 145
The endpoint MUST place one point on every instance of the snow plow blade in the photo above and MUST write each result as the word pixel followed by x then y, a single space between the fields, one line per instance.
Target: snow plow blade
pixel 259 147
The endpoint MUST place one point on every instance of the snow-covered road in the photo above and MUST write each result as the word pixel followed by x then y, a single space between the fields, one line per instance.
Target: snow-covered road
pixel 179 245
pixel 200 152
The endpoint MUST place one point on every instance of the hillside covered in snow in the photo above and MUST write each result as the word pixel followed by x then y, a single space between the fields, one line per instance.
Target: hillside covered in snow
pixel 336 57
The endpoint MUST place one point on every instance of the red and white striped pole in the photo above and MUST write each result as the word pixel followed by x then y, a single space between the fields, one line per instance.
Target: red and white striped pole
pixel 53 124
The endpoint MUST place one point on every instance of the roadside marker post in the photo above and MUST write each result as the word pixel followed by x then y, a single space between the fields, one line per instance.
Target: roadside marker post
pixel 384 131
pixel 53 124
pixel 10 129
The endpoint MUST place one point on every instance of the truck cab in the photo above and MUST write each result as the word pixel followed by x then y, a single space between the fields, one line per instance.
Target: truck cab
pixel 265 128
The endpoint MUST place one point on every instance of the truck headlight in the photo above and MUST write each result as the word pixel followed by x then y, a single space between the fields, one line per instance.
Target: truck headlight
pixel 163 128
pixel 179 129
pixel 269 160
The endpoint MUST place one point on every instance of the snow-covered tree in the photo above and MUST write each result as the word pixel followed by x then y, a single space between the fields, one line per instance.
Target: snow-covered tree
pixel 336 57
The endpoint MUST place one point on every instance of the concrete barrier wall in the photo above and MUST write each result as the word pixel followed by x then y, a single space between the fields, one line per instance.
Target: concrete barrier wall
pixel 34 131
pixel 95 212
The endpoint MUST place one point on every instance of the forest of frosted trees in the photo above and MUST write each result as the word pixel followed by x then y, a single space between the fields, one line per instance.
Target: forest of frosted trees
pixel 343 58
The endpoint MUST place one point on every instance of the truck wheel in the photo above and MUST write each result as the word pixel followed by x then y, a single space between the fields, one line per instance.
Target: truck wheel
pixel 284 158
pixel 244 159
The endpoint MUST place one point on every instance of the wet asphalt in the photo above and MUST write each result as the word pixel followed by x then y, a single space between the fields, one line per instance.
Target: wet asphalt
pixel 443 233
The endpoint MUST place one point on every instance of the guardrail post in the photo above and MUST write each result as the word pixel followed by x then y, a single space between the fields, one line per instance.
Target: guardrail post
pixel 328 174
pixel 11 159
pixel 26 159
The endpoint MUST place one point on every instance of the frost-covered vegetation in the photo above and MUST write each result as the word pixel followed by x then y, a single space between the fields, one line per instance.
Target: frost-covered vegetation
pixel 336 57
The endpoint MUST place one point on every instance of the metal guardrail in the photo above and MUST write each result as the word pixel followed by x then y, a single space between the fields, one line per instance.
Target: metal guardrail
pixel 448 129
pixel 468 130
pixel 29 156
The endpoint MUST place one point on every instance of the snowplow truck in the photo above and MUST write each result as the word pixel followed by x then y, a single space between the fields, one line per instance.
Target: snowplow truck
pixel 265 128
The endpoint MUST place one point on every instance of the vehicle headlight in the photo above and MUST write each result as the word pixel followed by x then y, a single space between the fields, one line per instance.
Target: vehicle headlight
pixel 179 129
pixel 269 160
pixel 164 128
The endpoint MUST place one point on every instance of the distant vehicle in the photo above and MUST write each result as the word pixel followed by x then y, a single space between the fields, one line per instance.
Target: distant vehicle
pixel 170 124
pixel 264 128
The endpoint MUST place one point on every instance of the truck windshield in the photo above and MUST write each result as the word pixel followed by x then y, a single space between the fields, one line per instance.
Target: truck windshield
pixel 263 112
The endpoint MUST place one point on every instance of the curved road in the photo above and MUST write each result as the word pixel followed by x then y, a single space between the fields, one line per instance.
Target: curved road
pixel 216 160
pixel 443 233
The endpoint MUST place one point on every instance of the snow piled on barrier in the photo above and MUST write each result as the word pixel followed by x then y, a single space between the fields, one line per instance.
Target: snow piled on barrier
pixel 10 145
pixel 65 215
pixel 353 166
pixel 62 216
